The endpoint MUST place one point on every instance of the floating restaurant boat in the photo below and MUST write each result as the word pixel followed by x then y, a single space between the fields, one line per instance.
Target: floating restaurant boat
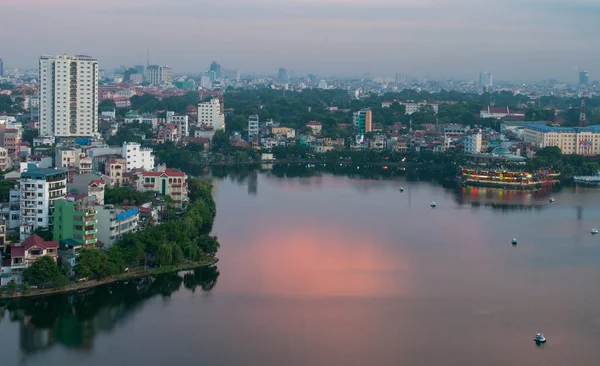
pixel 502 178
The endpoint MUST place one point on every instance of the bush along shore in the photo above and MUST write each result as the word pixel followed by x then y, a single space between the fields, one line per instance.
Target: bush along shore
pixel 179 242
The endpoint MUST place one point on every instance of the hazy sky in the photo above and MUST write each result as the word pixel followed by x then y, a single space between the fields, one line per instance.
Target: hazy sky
pixel 515 39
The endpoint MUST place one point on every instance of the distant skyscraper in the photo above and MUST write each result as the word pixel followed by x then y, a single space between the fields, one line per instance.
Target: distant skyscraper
pixel 485 81
pixel 216 68
pixel 399 78
pixel 1 68
pixel 68 96
pixel 139 69
pixel 282 75
pixel 584 78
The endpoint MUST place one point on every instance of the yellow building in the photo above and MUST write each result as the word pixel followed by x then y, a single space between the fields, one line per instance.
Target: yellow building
pixel 570 140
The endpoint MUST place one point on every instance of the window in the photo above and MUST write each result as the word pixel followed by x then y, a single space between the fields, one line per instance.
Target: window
pixel 40 194
pixel 40 220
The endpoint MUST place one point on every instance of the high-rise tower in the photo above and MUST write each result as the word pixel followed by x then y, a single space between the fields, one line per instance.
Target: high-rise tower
pixel 68 95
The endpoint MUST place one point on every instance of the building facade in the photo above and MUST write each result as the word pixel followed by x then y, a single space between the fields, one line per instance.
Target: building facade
pixel 137 157
pixel 75 220
pixel 473 143
pixel 253 126
pixel 115 169
pixel 170 182
pixel 114 222
pixel 363 121
pixel 180 119
pixel 211 114
pixel 570 140
pixel 68 92
pixel 40 189
pixel 22 255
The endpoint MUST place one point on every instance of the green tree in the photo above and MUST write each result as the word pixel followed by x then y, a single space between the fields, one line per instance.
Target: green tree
pixel 177 254
pixel 106 105
pixel 220 141
pixel 236 123
pixel 42 271
pixel 11 288
pixel 91 263
pixel 165 255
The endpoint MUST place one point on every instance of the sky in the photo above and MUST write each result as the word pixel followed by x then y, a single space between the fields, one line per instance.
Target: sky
pixel 517 40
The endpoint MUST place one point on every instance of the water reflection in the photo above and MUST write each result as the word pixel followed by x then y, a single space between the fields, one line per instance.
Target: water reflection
pixel 74 320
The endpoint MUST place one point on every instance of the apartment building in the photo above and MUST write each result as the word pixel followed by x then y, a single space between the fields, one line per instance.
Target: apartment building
pixel 570 140
pixel 115 222
pixel 75 219
pixel 137 157
pixel 40 188
pixel 68 92
pixel 211 114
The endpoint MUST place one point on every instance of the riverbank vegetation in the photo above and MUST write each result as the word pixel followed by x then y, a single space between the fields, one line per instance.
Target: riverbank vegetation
pixel 179 240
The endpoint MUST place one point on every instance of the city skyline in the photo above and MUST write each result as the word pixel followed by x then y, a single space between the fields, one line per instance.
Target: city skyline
pixel 331 37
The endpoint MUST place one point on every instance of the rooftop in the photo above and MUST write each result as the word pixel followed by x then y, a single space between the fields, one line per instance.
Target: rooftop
pixel 544 128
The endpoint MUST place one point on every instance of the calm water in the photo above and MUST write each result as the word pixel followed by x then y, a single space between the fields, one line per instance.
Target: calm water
pixel 332 270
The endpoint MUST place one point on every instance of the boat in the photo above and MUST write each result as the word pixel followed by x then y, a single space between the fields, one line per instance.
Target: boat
pixel 590 179
pixel 432 204
pixel 539 338
pixel 401 189
pixel 552 200
pixel 594 231
pixel 514 241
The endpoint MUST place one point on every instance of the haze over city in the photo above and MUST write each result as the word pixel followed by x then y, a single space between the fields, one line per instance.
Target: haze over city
pixel 526 40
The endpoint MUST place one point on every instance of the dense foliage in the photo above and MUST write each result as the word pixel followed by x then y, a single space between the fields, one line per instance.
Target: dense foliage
pixel 42 271
pixel 188 232
pixel 124 196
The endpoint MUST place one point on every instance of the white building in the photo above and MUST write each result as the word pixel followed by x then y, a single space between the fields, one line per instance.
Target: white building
pixel 67 156
pixel 473 143
pixel 137 157
pixel 180 119
pixel 68 91
pixel 158 75
pixel 205 82
pixel 43 141
pixel 39 189
pixel 322 84
pixel 253 126
pixel 114 222
pixel 411 105
pixel 211 114
pixel 14 204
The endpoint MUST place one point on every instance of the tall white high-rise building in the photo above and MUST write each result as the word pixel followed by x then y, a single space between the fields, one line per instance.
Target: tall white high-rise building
pixel 68 93
pixel 211 114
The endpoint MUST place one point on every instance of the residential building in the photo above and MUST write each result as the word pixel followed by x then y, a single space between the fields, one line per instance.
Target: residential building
pixel 75 220
pixel 5 159
pixel 67 156
pixel 115 169
pixel 42 162
pixel 363 121
pixel 137 157
pixel 315 127
pixel 115 222
pixel 454 130
pixel 180 119
pixel 211 114
pixel 253 126
pixel 12 141
pixel 169 132
pixel 40 188
pixel 473 143
pixel 169 182
pixel 412 106
pixel 570 140
pixel 68 92
pixel 90 184
pixel 22 255
pixel 14 205
pixel 85 165
pixel 43 141
pixel 288 132
pixel 3 242
pixel 205 132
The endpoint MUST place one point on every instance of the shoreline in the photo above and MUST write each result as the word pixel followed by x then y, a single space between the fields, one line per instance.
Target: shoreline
pixel 82 286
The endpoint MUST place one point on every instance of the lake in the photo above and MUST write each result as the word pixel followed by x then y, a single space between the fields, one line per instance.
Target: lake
pixel 325 269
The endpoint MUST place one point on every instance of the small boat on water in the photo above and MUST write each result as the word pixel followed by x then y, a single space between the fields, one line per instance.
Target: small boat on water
pixel 514 241
pixel 552 200
pixel 401 189
pixel 539 338
pixel 432 204
pixel 594 231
